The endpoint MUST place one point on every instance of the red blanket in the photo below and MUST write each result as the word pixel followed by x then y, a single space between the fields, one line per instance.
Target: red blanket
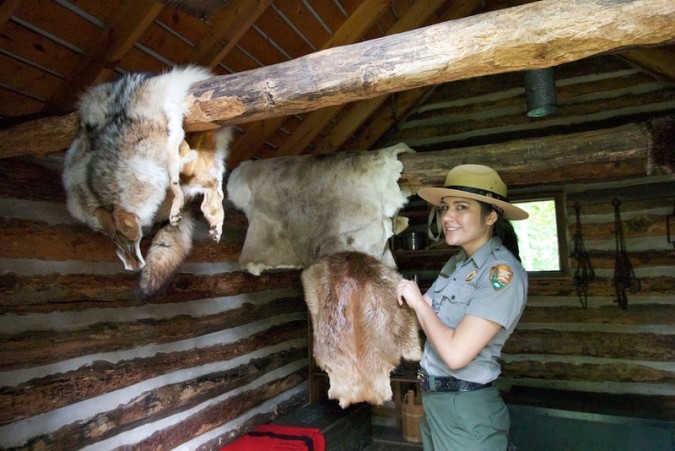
pixel 273 437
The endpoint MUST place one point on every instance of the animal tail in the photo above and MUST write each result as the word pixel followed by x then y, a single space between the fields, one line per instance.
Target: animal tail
pixel 170 246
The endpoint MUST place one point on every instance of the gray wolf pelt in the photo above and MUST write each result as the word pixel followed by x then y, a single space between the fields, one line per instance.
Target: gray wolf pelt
pixel 122 172
pixel 360 331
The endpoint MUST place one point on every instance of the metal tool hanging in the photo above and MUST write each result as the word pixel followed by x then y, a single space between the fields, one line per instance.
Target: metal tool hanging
pixel 624 276
pixel 584 272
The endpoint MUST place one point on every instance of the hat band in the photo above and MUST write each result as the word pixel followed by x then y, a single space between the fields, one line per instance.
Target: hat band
pixel 480 192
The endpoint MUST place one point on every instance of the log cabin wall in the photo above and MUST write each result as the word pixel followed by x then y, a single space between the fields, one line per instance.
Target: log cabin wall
pixel 83 364
pixel 603 358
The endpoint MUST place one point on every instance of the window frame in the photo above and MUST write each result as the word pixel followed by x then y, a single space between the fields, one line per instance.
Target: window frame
pixel 561 227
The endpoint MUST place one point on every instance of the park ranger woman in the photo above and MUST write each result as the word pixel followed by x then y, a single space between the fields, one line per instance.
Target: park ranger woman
pixel 468 312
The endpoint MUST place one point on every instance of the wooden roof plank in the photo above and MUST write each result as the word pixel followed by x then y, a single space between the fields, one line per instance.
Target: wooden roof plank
pixel 228 26
pixel 39 50
pixel 283 34
pixel 57 21
pixel 659 61
pixel 125 28
pixel 25 78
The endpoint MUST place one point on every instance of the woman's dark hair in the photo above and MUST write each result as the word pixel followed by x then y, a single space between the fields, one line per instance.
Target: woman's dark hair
pixel 503 229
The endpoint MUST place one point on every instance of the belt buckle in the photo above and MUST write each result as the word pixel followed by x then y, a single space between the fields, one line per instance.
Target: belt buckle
pixel 424 382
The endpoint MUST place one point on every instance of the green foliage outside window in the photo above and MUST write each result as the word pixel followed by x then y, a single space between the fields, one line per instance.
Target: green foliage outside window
pixel 538 236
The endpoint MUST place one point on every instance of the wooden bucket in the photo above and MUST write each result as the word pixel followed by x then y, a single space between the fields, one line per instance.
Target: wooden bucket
pixel 411 417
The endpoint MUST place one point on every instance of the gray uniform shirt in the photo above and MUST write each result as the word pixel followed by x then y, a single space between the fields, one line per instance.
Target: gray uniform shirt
pixel 492 284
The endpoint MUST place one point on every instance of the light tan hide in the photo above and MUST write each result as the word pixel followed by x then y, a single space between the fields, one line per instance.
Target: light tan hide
pixel 360 331
pixel 301 208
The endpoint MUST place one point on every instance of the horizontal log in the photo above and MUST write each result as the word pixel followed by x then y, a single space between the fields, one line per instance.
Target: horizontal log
pixel 551 33
pixel 44 394
pixel 37 348
pixel 631 346
pixel 605 372
pixel 598 155
pixel 601 286
pixel 220 413
pixel 50 293
pixel 624 404
pixel 75 242
pixel 643 259
pixel 20 179
pixel 433 260
pixel 643 226
pixel 454 124
pixel 164 401
pixel 639 315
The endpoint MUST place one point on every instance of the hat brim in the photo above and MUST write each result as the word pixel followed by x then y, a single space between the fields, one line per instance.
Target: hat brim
pixel 435 195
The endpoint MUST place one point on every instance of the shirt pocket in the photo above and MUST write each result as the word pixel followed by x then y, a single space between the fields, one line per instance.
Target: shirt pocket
pixel 455 300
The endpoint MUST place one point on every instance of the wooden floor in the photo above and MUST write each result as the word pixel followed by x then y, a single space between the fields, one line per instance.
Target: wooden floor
pixel 390 439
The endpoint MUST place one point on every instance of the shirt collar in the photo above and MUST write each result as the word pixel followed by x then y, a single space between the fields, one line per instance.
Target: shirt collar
pixel 484 251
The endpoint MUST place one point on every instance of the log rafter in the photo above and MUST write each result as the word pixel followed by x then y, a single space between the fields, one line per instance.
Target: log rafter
pixel 465 48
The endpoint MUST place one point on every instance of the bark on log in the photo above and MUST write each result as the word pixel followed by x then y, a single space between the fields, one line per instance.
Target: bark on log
pixel 588 372
pixel 596 155
pixel 633 346
pixel 220 413
pixel 51 293
pixel 536 35
pixel 640 315
pixel 65 242
pixel 169 399
pixel 48 346
pixel 44 394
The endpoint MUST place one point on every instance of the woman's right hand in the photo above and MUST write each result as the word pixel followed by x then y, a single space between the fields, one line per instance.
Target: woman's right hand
pixel 409 292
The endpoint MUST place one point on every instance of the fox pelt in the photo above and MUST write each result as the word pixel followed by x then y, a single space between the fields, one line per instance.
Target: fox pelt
pixel 122 172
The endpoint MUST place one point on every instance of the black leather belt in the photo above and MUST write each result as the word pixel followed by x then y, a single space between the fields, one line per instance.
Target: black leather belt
pixel 431 383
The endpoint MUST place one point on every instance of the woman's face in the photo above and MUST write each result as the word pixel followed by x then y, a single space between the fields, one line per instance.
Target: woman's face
pixel 464 223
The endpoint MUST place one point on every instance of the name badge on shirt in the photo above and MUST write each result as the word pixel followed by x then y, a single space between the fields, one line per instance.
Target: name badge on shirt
pixel 500 276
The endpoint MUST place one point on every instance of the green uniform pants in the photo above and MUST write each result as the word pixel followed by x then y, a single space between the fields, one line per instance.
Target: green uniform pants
pixel 465 421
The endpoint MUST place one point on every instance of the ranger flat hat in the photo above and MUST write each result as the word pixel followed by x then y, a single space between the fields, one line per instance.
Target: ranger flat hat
pixel 478 182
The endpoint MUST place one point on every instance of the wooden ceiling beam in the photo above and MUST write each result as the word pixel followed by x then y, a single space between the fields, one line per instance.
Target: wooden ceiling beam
pixel 125 27
pixel 606 154
pixel 354 28
pixel 548 33
pixel 360 112
pixel 314 123
pixel 537 35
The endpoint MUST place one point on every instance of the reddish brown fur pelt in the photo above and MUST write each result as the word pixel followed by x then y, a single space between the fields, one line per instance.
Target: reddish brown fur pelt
pixel 360 331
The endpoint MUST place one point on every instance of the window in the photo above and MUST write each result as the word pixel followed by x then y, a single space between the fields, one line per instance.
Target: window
pixel 542 238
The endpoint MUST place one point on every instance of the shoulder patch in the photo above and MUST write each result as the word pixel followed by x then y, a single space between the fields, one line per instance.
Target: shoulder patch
pixel 500 276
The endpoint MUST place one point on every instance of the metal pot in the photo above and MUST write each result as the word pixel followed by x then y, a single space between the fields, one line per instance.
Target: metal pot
pixel 413 241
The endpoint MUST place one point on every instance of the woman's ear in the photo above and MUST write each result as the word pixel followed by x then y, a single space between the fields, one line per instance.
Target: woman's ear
pixel 492 217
